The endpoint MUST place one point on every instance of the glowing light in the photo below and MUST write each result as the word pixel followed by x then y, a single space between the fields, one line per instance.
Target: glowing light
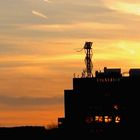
pixel 107 119
pixel 116 107
pixel 99 118
pixel 117 119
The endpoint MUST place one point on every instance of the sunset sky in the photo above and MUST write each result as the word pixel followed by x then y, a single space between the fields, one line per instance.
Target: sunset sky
pixel 38 43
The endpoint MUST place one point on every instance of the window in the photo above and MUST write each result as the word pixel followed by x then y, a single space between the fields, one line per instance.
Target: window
pixel 116 107
pixel 98 118
pixel 89 120
pixel 107 119
pixel 117 119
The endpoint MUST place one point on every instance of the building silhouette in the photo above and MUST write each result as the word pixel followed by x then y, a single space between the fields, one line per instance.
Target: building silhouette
pixel 103 104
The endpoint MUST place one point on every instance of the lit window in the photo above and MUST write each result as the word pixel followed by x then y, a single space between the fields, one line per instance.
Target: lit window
pixel 107 119
pixel 117 119
pixel 89 120
pixel 59 123
pixel 99 118
pixel 116 107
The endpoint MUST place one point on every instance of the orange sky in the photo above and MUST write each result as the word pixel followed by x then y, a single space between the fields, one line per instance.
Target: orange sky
pixel 38 43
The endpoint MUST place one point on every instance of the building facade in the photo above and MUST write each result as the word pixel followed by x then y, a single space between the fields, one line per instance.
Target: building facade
pixel 102 103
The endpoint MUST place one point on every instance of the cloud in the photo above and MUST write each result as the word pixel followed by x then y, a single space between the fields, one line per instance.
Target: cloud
pixel 125 48
pixel 125 7
pixel 74 26
pixel 14 101
pixel 75 31
pixel 39 14
pixel 48 1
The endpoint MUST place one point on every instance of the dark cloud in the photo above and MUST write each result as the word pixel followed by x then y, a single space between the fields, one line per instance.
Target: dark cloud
pixel 11 48
pixel 13 101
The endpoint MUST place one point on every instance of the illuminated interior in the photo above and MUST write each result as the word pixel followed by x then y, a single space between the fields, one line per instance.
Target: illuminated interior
pixel 117 119
pixel 107 119
pixel 98 118
pixel 101 119
pixel 116 107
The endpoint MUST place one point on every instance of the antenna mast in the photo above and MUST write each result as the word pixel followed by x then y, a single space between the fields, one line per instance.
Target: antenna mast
pixel 88 58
